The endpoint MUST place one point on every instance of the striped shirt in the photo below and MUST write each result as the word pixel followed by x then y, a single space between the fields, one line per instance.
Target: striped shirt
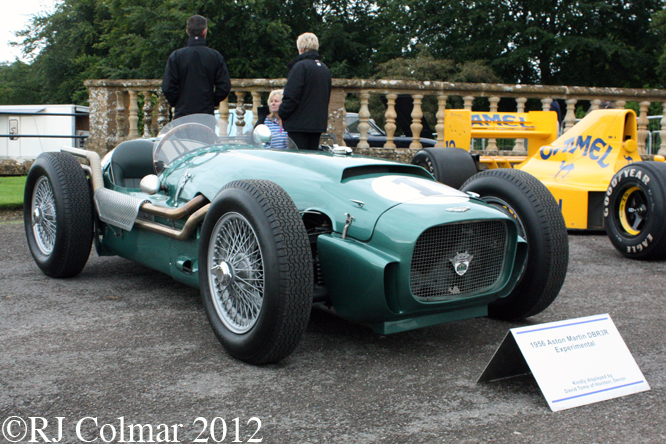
pixel 279 139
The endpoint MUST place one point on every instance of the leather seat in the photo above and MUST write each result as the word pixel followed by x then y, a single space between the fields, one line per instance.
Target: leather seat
pixel 131 161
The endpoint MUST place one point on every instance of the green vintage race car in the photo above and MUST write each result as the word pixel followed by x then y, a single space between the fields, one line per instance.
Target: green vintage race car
pixel 264 233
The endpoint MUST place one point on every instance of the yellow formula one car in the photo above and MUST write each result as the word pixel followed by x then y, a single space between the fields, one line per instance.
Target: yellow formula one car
pixel 594 170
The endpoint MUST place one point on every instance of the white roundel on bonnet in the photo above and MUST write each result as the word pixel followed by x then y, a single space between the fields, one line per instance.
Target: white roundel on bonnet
pixel 416 190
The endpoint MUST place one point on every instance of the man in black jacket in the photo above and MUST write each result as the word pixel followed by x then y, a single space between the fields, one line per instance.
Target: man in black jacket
pixel 304 108
pixel 196 78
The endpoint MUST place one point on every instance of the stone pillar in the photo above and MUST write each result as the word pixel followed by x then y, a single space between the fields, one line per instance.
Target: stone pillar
pixel 595 104
pixel 416 126
pixel 363 116
pixel 468 101
pixel 133 115
pixel 642 126
pixel 102 103
pixel 121 118
pixel 441 112
pixel 336 115
pixel 256 103
pixel 390 115
pixel 520 107
pixel 494 101
pixel 223 121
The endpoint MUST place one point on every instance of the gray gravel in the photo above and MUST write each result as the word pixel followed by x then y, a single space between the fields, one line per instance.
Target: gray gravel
pixel 123 341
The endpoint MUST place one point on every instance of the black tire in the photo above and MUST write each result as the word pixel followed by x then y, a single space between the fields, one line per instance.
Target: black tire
pixel 278 256
pixel 59 240
pixel 541 223
pixel 450 166
pixel 635 210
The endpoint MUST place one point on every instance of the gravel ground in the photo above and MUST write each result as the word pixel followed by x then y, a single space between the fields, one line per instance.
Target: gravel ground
pixel 123 341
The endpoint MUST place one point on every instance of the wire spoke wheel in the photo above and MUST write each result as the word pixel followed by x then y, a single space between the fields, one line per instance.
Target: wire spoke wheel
pixel 237 273
pixel 58 214
pixel 43 212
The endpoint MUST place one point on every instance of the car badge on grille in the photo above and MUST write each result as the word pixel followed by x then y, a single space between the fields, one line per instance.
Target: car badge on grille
pixel 461 262
pixel 457 209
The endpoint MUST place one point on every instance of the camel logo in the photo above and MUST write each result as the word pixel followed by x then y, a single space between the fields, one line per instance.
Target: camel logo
pixel 461 262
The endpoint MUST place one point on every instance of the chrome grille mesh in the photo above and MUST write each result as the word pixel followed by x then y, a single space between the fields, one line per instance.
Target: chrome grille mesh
pixel 432 274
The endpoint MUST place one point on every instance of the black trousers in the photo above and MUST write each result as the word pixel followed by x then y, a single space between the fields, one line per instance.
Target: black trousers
pixel 305 141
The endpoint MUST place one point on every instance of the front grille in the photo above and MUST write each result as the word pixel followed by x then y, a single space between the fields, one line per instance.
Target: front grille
pixel 432 274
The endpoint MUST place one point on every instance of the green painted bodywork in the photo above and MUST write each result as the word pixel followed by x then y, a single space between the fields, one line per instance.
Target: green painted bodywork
pixel 367 273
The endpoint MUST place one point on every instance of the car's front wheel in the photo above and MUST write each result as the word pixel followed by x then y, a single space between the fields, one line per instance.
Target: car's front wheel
pixel 524 198
pixel 256 273
pixel 635 210
pixel 58 214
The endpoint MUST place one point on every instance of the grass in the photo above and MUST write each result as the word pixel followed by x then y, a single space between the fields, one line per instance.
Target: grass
pixel 11 192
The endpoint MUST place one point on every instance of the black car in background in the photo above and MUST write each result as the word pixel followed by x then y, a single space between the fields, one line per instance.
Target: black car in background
pixel 376 136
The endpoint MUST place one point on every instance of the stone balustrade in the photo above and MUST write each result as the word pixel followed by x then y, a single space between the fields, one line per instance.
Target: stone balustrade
pixel 115 112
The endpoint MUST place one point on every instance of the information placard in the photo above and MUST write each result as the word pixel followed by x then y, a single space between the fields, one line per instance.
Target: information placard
pixel 575 362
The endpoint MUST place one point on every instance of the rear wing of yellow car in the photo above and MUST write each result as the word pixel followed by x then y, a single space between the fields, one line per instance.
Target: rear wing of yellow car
pixel 539 128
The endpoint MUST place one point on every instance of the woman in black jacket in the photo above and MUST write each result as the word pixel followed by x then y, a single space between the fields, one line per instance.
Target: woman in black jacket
pixel 304 108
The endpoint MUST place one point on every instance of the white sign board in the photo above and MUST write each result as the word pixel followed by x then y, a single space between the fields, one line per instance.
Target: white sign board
pixel 575 362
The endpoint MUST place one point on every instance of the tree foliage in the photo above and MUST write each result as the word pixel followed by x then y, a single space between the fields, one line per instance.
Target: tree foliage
pixel 570 42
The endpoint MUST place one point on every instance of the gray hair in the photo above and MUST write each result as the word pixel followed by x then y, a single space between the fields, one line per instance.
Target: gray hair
pixel 307 42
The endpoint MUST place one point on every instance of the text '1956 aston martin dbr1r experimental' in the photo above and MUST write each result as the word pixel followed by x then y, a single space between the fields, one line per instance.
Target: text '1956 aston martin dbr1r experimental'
pixel 264 234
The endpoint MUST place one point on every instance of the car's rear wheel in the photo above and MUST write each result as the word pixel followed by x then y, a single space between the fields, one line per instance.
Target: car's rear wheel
pixel 256 273
pixel 524 198
pixel 58 215
pixel 635 210
pixel 450 166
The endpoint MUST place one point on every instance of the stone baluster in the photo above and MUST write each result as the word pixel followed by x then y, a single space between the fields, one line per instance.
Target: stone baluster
pixel 240 112
pixel 642 126
pixel 662 133
pixel 390 115
pixel 520 107
pixel 595 104
pixel 133 115
pixel 468 101
pixel 416 126
pixel 570 116
pixel 494 100
pixel 147 113
pixel 121 119
pixel 363 116
pixel 162 111
pixel 441 112
pixel 619 104
pixel 223 121
pixel 256 103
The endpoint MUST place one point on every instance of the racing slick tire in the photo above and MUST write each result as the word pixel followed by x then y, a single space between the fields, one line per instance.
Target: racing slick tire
pixel 540 221
pixel 635 210
pixel 450 166
pixel 256 273
pixel 58 214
